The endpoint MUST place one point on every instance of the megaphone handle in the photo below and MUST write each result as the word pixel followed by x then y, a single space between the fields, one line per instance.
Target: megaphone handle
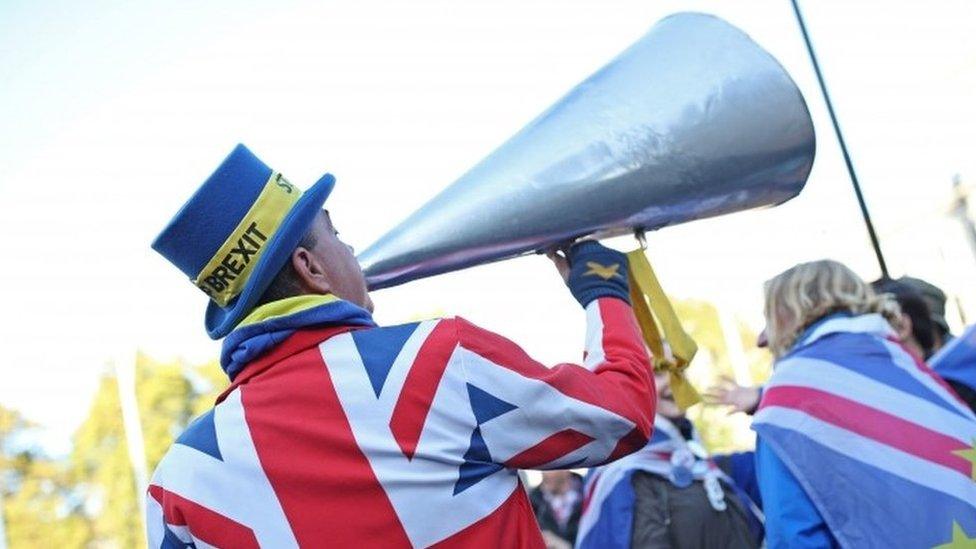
pixel 671 346
pixel 641 237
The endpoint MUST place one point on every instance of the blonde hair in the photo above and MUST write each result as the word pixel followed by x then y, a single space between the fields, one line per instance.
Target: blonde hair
pixel 801 295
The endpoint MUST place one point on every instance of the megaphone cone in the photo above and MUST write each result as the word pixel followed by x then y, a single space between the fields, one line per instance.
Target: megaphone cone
pixel 694 120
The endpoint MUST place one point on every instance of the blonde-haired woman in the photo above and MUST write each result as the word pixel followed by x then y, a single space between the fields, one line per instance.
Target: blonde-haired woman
pixel 859 443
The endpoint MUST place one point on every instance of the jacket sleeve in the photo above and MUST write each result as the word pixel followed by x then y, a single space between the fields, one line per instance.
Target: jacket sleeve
pixel 791 518
pixel 532 416
pixel 529 416
pixel 159 531
pixel 155 525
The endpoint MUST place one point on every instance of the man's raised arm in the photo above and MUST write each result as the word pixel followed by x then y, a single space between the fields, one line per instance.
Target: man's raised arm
pixel 531 416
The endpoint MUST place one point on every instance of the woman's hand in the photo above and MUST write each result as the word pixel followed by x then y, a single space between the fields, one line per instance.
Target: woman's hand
pixel 729 393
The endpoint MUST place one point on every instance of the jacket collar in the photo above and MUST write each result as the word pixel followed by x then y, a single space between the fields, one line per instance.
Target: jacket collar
pixel 269 325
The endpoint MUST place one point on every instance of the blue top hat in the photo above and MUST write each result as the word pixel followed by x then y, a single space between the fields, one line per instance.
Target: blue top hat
pixel 237 231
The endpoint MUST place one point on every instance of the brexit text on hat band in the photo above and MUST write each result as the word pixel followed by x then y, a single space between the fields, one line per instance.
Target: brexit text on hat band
pixel 227 272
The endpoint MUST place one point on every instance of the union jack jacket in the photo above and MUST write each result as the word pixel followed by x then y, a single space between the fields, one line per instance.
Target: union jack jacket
pixel 346 435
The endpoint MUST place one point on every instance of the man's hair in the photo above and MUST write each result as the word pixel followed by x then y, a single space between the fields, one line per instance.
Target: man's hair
pixel 799 296
pixel 935 300
pixel 914 306
pixel 286 283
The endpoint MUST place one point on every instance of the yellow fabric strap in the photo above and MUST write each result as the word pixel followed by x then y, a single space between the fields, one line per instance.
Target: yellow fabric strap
pixel 673 352
pixel 227 272
pixel 285 307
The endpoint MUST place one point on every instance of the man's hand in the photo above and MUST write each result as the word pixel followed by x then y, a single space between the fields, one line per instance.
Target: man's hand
pixel 558 258
pixel 729 393
pixel 591 270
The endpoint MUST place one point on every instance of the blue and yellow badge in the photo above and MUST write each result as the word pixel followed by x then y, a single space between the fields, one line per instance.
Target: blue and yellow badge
pixel 606 272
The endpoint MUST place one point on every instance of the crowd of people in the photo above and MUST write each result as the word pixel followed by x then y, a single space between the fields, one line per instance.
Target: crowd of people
pixel 337 432
pixel 850 363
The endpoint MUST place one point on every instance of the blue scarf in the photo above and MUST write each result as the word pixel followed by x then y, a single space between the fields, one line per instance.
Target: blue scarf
pixel 272 323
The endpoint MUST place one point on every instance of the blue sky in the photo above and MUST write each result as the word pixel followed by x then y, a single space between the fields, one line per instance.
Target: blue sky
pixel 113 112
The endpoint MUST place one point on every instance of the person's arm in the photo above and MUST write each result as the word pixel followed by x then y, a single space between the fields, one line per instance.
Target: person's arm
pixel 569 415
pixel 792 520
pixel 738 398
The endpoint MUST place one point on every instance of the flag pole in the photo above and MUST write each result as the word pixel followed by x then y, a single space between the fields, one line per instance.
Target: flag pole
pixel 125 375
pixel 843 146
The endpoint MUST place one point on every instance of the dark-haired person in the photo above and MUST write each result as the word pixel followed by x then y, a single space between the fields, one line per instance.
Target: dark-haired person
pixel 953 359
pixel 919 333
pixel 956 363
pixel 335 432
pixel 935 299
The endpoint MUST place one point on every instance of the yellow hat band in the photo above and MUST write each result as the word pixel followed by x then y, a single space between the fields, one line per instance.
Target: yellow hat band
pixel 228 270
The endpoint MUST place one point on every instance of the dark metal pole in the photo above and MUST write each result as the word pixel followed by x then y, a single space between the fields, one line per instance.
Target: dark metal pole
pixel 843 146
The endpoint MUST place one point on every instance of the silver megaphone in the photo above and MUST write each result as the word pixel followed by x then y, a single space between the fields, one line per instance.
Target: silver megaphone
pixel 694 120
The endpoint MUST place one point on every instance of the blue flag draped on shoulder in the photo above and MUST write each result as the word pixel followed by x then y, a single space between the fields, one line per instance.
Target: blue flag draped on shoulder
pixel 957 360
pixel 880 445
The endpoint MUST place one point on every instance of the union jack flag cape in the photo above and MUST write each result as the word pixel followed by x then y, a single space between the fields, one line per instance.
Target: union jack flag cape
pixel 343 434
pixel 878 442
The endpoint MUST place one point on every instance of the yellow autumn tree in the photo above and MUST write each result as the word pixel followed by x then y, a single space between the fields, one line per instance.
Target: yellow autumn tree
pixel 42 507
pixel 169 396
pixel 720 431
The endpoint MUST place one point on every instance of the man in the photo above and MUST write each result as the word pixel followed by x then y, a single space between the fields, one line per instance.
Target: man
pixel 935 299
pixel 954 359
pixel 670 494
pixel 557 502
pixel 335 432
pixel 921 333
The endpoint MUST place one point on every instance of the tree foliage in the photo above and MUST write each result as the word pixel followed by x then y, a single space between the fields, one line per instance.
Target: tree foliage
pixel 720 431
pixel 89 498
pixel 42 507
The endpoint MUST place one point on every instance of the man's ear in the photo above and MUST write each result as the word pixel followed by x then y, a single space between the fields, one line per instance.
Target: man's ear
pixel 310 271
